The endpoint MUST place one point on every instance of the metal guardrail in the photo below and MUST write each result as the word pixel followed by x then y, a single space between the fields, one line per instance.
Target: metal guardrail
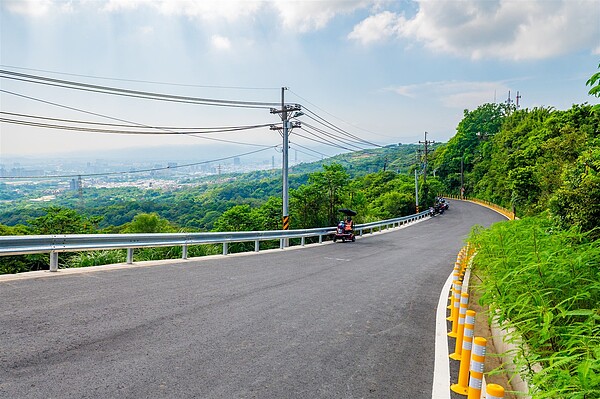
pixel 54 244
pixel 509 214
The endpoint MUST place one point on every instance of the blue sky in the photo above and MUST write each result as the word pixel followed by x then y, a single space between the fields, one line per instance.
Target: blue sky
pixel 386 71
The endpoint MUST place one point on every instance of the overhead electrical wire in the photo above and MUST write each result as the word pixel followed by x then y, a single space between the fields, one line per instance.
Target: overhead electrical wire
pixel 135 171
pixel 309 149
pixel 157 130
pixel 328 134
pixel 142 81
pixel 357 145
pixel 305 153
pixel 129 122
pixel 336 117
pixel 132 93
pixel 330 125
pixel 323 141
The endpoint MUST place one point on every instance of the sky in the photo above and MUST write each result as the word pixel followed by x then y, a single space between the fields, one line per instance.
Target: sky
pixel 382 71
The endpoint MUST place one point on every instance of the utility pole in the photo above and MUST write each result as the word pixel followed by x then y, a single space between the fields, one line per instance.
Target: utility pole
pixel 416 191
pixel 426 143
pixel 462 176
pixel 286 127
pixel 284 172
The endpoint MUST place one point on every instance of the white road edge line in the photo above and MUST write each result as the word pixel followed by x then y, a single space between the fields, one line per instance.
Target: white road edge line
pixel 441 367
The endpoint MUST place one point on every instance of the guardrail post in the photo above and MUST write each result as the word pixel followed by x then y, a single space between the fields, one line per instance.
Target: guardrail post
pixel 129 256
pixel 224 248
pixel 302 241
pixel 256 245
pixel 53 261
pixel 320 239
pixel 184 252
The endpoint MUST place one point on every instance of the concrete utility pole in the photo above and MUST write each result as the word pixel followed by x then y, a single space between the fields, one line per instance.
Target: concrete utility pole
pixel 286 127
pixel 427 143
pixel 416 191
pixel 284 172
pixel 462 176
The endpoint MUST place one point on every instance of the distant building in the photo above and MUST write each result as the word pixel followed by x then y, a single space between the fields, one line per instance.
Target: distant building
pixel 74 184
pixel 236 161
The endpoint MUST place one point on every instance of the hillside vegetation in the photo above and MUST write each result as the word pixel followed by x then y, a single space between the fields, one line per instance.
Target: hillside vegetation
pixel 540 274
pixel 377 183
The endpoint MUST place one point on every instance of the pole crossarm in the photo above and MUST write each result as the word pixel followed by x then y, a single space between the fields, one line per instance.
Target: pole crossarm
pixel 287 108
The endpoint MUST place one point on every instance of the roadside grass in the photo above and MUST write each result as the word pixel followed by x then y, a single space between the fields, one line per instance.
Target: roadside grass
pixel 545 283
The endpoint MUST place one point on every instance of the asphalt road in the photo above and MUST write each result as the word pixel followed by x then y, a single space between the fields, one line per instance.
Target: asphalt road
pixel 344 320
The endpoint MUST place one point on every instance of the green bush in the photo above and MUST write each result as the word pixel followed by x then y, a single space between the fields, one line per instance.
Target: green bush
pixel 545 282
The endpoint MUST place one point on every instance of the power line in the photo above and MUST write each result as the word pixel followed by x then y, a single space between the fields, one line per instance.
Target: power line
pixel 142 81
pixel 131 93
pixel 336 117
pixel 336 137
pixel 136 171
pixel 158 130
pixel 123 120
pixel 309 149
pixel 132 125
pixel 321 140
pixel 330 125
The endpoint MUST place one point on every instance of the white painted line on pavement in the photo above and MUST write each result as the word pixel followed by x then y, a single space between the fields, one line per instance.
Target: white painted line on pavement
pixel 441 368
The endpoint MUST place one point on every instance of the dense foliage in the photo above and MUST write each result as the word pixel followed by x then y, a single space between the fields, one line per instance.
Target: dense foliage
pixel 249 201
pixel 530 160
pixel 540 275
pixel 545 282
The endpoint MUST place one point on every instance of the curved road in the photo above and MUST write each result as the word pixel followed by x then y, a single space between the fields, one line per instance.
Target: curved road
pixel 345 320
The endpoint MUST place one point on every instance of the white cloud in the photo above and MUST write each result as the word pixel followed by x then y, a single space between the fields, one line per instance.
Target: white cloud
pixel 305 16
pixel 375 28
pixel 220 42
pixel 292 15
pixel 230 10
pixel 32 8
pixel 504 29
pixel 454 94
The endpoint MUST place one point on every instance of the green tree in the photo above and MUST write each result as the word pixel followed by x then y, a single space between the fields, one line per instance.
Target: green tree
pixel 148 223
pixel 331 182
pixel 269 215
pixel 394 204
pixel 576 201
pixel 13 264
pixel 469 145
pixel 594 83
pixel 308 208
pixel 63 221
pixel 236 218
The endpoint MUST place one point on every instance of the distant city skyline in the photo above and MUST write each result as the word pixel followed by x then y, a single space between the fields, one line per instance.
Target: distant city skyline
pixel 380 71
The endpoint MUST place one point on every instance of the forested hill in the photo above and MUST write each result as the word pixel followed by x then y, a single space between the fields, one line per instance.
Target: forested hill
pixel 199 204
pixel 534 160
pixel 396 157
